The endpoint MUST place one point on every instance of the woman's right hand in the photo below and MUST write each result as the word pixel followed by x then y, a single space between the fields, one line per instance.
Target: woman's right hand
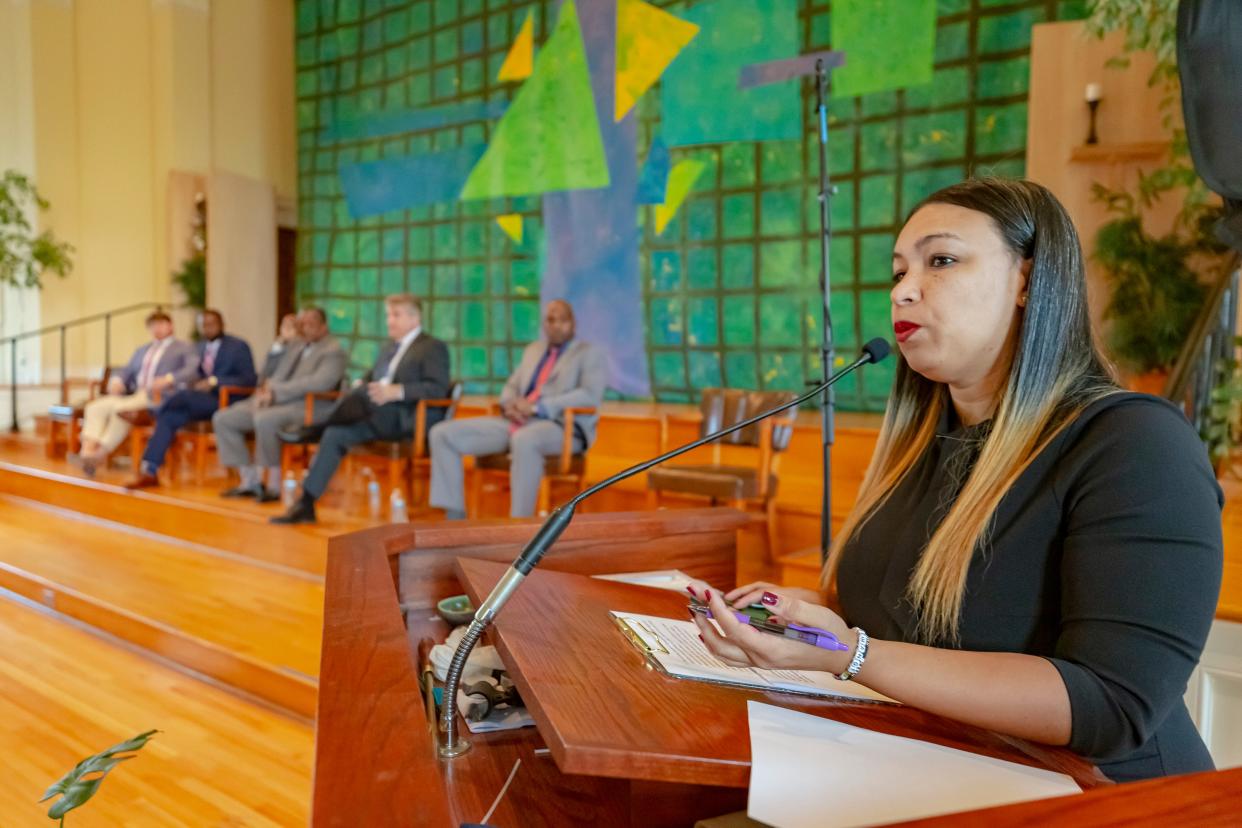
pixel 753 592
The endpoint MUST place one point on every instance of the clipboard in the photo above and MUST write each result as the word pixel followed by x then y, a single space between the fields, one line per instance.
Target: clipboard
pixel 648 642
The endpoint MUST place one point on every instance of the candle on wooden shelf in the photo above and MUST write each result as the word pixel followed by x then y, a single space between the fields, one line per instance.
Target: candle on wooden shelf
pixel 1093 102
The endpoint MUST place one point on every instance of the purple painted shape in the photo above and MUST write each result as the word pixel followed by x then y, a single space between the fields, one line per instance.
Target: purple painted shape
pixel 592 235
pixel 775 71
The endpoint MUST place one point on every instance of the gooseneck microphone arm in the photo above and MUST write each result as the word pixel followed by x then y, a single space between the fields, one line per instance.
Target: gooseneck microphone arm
pixel 874 351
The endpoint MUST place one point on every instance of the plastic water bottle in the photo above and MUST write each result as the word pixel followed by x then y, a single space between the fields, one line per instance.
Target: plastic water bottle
pixel 396 508
pixel 289 490
pixel 373 497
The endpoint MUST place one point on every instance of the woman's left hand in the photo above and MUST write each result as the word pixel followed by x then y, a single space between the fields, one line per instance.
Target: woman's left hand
pixel 741 645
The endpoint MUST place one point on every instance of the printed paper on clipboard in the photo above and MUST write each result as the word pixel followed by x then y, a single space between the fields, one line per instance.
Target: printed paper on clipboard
pixel 673 647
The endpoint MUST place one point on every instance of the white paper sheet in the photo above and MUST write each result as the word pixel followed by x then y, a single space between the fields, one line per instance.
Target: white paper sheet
pixel 812 772
pixel 672 579
pixel 676 646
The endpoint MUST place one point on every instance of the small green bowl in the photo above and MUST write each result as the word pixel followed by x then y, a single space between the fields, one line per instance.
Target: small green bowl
pixel 456 610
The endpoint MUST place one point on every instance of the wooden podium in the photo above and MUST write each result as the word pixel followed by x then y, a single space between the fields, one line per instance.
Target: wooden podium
pixel 616 743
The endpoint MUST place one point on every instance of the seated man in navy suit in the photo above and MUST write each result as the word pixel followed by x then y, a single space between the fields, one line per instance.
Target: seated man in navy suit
pixel 223 360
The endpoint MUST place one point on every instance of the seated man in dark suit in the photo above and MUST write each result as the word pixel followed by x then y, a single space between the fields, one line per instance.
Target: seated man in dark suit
pixel 413 366
pixel 222 360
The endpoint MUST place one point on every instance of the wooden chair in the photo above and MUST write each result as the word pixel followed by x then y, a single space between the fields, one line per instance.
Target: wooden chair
pixel 405 460
pixel 738 485
pixel 65 418
pixel 564 467
pixel 198 437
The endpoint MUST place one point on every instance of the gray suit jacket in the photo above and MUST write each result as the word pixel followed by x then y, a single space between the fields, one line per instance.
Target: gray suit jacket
pixel 578 380
pixel 319 368
pixel 180 359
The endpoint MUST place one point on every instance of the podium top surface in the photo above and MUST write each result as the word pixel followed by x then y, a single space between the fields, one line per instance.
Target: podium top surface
pixel 604 712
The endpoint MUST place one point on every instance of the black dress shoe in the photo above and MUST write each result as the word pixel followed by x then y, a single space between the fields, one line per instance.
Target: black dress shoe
pixel 301 512
pixel 301 435
pixel 267 497
pixel 242 491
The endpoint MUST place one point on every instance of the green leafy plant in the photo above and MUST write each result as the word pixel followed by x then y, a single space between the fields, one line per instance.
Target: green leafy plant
pixel 1222 427
pixel 81 783
pixel 1156 290
pixel 192 277
pixel 25 256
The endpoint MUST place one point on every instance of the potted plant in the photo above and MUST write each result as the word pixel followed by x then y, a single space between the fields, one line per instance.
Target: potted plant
pixel 1156 289
pixel 25 256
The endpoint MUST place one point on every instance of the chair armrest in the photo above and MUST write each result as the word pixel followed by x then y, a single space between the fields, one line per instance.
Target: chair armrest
pixel 684 419
pixel 227 391
pixel 567 438
pixel 308 417
pixel 420 422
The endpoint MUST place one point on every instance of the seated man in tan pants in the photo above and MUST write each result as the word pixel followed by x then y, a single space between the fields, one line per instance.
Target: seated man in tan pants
pixel 162 362
pixel 555 373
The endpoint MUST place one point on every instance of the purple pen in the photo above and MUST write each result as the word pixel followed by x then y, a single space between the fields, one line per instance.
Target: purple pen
pixel 807 635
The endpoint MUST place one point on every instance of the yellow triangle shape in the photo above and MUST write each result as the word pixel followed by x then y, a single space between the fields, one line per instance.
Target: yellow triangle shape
pixel 680 180
pixel 520 61
pixel 511 223
pixel 647 41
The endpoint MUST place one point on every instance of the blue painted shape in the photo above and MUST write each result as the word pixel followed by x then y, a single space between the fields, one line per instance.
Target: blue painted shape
pixel 395 122
pixel 700 98
pixel 654 179
pixel 374 187
pixel 591 236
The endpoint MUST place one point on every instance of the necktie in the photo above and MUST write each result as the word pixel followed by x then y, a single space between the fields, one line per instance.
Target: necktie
pixel 536 389
pixel 209 358
pixel 293 366
pixel 149 361
pixel 549 363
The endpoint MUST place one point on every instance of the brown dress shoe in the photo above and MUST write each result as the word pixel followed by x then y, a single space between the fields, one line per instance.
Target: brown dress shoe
pixel 143 481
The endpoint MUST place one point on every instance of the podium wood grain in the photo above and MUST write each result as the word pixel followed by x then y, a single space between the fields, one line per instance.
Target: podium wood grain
pixel 604 712
pixel 375 760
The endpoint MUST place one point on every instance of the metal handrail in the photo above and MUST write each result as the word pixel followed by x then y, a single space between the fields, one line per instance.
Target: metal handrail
pixel 63 328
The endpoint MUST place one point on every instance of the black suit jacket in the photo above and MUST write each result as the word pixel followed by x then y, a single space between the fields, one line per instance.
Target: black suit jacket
pixel 1104 557
pixel 423 374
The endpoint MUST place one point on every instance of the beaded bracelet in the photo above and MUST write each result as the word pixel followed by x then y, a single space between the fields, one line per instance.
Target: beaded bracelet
pixel 860 655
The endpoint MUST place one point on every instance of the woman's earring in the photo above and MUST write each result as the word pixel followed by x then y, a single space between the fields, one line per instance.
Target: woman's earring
pixel 1022 301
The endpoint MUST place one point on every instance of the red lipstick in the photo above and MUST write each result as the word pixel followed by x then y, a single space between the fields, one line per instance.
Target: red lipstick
pixel 904 330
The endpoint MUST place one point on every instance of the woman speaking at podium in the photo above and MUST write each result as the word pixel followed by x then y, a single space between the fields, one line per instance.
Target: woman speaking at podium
pixel 1033 550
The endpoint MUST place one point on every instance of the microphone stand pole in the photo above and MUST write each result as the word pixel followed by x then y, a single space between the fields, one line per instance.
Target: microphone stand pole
pixel 453 744
pixel 827 348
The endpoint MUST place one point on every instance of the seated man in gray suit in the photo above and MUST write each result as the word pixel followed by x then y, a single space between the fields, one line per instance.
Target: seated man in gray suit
pixel 162 363
pixel 413 366
pixel 314 362
pixel 281 345
pixel 557 373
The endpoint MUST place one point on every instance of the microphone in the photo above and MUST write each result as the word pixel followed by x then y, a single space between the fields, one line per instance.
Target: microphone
pixel 874 351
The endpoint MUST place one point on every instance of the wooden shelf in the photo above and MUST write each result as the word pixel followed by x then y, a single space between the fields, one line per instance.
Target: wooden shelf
pixel 1119 153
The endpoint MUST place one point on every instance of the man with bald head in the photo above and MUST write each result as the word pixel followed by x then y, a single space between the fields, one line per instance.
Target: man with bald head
pixel 557 372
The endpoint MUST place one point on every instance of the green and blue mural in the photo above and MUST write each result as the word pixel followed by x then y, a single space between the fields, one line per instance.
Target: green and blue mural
pixel 485 154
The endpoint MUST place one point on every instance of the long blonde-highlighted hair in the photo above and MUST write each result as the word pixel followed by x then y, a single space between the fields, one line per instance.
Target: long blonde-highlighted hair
pixel 1056 371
